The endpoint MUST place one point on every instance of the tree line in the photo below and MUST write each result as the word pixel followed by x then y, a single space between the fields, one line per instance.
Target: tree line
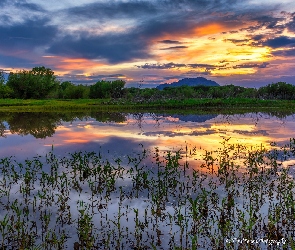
pixel 41 83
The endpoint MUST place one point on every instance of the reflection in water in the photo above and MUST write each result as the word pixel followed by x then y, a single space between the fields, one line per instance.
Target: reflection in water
pixel 150 201
pixel 2 129
pixel 42 124
pixel 194 118
pixel 167 206
pixel 39 125
pixel 123 132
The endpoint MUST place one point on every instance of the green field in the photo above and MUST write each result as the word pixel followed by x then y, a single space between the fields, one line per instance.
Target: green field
pixel 209 105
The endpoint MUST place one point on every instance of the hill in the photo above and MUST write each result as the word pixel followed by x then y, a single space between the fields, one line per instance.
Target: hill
pixel 189 82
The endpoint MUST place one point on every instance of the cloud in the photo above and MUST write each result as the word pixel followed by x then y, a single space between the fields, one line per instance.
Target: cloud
pixel 135 8
pixel 15 62
pixel 252 133
pixel 282 41
pixel 27 35
pixel 291 25
pixel 240 42
pixel 147 25
pixel 102 10
pixel 162 66
pixel 170 42
pixel 172 65
pixel 202 65
pixel 114 48
pixel 251 65
pixel 284 53
pixel 175 134
pixel 175 47
pixel 15 12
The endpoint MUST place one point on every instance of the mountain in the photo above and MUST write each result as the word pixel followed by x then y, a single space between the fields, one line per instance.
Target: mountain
pixel 189 82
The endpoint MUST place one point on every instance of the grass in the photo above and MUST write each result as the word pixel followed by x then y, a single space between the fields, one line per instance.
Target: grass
pixel 232 198
pixel 123 105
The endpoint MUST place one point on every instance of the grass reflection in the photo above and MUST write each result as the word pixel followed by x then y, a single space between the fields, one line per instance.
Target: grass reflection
pixel 238 198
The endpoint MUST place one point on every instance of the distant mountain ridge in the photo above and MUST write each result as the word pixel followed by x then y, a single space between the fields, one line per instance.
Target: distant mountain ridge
pixel 189 82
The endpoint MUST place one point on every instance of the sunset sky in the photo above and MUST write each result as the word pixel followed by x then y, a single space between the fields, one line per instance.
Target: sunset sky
pixel 248 43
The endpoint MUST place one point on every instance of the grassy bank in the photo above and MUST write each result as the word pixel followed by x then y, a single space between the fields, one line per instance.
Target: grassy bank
pixel 123 105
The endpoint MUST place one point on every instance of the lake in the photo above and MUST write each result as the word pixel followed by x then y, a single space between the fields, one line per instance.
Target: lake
pixel 153 181
pixel 27 134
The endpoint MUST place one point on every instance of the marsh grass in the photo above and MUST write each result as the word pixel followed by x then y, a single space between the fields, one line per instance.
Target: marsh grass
pixel 221 105
pixel 233 198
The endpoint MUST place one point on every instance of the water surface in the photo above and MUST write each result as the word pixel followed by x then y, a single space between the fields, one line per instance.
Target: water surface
pixel 27 134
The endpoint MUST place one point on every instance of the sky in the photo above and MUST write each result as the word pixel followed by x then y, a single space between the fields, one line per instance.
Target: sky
pixel 148 42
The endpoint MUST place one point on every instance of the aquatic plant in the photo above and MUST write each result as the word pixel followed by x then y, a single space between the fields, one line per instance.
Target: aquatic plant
pixel 232 198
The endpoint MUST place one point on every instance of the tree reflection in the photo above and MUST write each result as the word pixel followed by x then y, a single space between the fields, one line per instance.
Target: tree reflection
pixel 2 129
pixel 40 125
pixel 44 124
pixel 109 116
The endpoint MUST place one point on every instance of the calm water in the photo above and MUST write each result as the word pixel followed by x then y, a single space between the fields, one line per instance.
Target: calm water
pixel 116 135
pixel 27 134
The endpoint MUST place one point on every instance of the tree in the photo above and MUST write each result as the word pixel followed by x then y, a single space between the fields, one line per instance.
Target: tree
pixel 5 91
pixel 117 88
pixel 2 79
pixel 279 90
pixel 36 83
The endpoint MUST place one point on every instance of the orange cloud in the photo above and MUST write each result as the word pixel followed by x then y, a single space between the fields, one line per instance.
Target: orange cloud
pixel 65 65
pixel 78 64
pixel 209 29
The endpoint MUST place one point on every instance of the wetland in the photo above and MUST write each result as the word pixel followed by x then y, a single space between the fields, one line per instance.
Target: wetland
pixel 118 180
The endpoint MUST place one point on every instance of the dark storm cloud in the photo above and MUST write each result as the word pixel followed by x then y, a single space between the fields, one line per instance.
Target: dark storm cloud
pixel 251 65
pixel 27 35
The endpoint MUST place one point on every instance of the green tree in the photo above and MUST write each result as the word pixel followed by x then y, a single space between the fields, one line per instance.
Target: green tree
pixel 279 90
pixel 5 91
pixel 116 89
pixel 36 83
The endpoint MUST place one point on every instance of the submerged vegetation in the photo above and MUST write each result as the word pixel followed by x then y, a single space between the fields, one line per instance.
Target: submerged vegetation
pixel 232 198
